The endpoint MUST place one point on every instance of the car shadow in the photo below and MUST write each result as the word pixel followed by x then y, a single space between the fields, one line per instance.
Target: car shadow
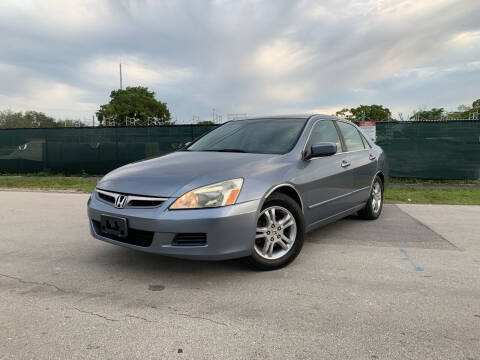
pixel 394 229
pixel 134 261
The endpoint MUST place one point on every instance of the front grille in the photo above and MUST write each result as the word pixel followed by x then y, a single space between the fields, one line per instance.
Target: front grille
pixel 135 237
pixel 105 197
pixel 190 239
pixel 132 201
pixel 144 203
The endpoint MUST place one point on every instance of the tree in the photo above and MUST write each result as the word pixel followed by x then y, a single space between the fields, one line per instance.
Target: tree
pixel 39 119
pixel 345 113
pixel 134 106
pixel 206 122
pixel 476 104
pixel 70 123
pixel 464 108
pixel 433 114
pixel 367 113
pixel 31 119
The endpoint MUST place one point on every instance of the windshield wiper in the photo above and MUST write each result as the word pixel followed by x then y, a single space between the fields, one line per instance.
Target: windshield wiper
pixel 229 150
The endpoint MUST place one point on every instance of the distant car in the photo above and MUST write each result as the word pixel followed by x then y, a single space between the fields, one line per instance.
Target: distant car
pixel 249 188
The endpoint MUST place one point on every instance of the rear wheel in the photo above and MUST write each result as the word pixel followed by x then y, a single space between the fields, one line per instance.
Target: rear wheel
pixel 279 233
pixel 374 206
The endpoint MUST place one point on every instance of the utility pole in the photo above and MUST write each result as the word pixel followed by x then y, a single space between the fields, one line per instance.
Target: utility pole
pixel 213 115
pixel 93 120
pixel 121 86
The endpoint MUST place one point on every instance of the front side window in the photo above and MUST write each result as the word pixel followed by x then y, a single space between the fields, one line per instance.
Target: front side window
pixel 266 136
pixel 324 131
pixel 352 137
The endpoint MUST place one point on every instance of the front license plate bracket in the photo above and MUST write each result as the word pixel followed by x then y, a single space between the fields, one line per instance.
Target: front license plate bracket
pixel 114 226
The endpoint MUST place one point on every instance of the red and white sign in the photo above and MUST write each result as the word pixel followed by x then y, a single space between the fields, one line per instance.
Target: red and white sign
pixel 369 129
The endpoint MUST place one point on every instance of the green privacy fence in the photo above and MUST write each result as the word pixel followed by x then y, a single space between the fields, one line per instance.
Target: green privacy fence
pixel 92 150
pixel 432 150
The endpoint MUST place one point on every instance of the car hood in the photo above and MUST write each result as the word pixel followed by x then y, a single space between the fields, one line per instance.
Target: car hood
pixel 174 174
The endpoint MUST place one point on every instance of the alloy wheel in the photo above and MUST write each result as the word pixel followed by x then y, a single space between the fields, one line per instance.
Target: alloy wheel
pixel 276 233
pixel 376 197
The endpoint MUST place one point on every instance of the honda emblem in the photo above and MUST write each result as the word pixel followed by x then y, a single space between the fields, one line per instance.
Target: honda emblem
pixel 121 201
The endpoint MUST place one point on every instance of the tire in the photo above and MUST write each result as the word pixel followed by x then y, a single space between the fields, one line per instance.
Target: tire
pixel 287 231
pixel 374 206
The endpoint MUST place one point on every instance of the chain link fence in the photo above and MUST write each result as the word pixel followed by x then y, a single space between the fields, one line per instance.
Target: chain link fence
pixel 430 150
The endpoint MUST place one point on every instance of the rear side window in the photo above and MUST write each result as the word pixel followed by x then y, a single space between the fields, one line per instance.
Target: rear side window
pixel 324 131
pixel 352 137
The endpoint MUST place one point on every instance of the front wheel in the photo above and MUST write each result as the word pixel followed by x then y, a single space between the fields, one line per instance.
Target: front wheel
pixel 374 206
pixel 279 233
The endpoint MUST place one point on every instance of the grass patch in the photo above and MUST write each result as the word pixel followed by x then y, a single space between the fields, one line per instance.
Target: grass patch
pixel 398 194
pixel 49 183
pixel 400 180
pixel 432 195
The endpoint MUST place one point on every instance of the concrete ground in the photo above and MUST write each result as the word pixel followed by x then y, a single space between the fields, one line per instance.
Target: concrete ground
pixel 406 286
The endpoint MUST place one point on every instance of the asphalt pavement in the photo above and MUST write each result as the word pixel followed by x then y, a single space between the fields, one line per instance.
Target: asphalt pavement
pixel 406 286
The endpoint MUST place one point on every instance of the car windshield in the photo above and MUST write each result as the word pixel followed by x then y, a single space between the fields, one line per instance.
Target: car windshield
pixel 266 136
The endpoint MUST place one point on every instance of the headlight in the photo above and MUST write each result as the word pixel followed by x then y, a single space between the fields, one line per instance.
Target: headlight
pixel 220 194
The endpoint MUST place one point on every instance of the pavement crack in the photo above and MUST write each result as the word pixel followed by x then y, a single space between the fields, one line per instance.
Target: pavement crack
pixel 95 314
pixel 139 317
pixel 201 318
pixel 34 282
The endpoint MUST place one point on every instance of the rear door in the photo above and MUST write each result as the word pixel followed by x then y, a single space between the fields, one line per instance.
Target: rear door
pixel 362 161
pixel 325 181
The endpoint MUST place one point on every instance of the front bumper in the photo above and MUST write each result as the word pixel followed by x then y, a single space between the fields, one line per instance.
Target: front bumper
pixel 230 230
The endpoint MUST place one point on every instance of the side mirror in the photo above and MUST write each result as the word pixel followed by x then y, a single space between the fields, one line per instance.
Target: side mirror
pixel 321 149
pixel 186 144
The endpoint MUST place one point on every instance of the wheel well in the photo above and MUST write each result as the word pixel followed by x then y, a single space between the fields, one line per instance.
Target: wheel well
pixel 289 191
pixel 382 177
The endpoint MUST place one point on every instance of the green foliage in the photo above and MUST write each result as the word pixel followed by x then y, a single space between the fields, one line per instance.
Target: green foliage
pixel 379 113
pixel 465 111
pixel 29 119
pixel 432 195
pixel 49 183
pixel 433 114
pixel 134 106
pixel 345 113
pixel 367 113
pixel 206 122
pixel 70 123
pixel 33 119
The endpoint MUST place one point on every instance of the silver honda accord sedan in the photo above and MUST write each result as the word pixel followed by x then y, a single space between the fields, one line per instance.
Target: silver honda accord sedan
pixel 249 188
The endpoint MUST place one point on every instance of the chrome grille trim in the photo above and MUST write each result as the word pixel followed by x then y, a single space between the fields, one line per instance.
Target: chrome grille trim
pixel 156 201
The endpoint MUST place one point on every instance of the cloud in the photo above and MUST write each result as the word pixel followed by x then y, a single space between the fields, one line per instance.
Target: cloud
pixel 135 70
pixel 259 57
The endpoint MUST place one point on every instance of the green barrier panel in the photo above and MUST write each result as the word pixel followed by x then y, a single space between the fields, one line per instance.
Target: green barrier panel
pixel 91 150
pixel 430 150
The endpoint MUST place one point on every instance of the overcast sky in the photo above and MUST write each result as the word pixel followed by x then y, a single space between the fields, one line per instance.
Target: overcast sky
pixel 255 57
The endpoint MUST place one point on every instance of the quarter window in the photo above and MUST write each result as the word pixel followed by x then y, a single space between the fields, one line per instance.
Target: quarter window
pixel 352 137
pixel 324 131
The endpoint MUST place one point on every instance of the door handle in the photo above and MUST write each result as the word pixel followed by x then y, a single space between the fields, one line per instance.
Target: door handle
pixel 372 157
pixel 345 163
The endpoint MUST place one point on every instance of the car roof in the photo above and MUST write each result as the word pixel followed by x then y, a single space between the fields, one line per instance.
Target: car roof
pixel 295 116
